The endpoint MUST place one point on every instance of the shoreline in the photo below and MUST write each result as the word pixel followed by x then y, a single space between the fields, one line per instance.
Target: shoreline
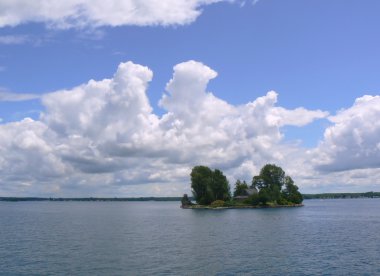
pixel 203 207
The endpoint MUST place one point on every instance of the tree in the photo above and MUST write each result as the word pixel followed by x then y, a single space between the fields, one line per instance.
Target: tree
pixel 201 179
pixel 240 188
pixel 269 182
pixel 258 182
pixel 275 186
pixel 291 193
pixel 220 186
pixel 208 186
pixel 264 196
pixel 272 175
pixel 185 201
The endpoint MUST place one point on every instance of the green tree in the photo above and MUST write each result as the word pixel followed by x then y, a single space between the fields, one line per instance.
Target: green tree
pixel 272 175
pixel 274 186
pixel 257 182
pixel 291 193
pixel 201 179
pixel 253 199
pixel 208 186
pixel 240 188
pixel 264 196
pixel 185 201
pixel 269 182
pixel 220 186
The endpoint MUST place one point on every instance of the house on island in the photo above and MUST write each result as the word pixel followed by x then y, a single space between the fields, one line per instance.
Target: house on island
pixel 247 193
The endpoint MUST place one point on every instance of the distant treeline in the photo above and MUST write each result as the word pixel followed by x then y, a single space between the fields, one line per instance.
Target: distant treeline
pixel 90 199
pixel 341 195
pixel 305 196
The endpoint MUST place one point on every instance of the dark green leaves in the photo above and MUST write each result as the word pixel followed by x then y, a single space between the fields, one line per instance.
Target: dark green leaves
pixel 240 188
pixel 208 185
pixel 275 187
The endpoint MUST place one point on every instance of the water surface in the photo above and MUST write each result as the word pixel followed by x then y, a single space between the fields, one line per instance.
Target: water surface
pixel 326 237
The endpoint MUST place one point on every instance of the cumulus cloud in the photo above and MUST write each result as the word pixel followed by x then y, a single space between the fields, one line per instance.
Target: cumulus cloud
pixel 102 137
pixel 95 13
pixel 27 157
pixel 353 141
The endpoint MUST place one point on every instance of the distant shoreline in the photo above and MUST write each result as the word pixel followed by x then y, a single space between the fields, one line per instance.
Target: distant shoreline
pixel 305 196
pixel 341 195
pixel 116 199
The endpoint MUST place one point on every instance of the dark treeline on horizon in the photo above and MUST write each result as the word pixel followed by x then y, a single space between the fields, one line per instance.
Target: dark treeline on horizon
pixel 341 195
pixel 305 196
pixel 90 198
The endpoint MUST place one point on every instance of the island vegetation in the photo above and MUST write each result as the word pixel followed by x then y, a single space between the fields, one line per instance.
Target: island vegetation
pixel 271 188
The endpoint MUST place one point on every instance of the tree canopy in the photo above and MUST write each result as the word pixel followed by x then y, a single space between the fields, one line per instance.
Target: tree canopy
pixel 240 188
pixel 275 186
pixel 208 185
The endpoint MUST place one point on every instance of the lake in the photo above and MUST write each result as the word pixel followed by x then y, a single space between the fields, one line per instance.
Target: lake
pixel 325 237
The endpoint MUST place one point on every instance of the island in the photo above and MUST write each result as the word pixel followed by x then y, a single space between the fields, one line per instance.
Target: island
pixel 272 188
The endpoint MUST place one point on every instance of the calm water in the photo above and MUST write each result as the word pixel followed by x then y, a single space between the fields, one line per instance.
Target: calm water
pixel 326 237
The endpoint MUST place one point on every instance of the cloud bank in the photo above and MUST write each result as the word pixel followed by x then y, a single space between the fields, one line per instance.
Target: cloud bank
pixel 102 138
pixel 96 13
pixel 353 141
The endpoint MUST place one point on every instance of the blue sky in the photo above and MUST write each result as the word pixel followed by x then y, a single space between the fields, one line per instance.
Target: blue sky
pixel 318 55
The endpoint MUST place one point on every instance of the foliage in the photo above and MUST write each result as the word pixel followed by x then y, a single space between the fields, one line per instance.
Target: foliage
pixel 217 203
pixel 220 186
pixel 201 179
pixel 253 200
pixel 240 188
pixel 208 185
pixel 291 193
pixel 257 182
pixel 185 201
pixel 275 187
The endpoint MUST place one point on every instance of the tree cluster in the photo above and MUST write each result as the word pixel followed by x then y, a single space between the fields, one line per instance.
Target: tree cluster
pixel 240 188
pixel 274 187
pixel 185 201
pixel 209 185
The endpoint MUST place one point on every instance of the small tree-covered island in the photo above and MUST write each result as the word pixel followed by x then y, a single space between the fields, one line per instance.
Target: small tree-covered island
pixel 271 188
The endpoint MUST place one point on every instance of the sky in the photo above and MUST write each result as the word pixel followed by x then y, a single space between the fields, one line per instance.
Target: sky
pixel 123 98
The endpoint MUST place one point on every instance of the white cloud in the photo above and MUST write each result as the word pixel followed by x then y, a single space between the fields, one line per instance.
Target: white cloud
pixel 95 13
pixel 352 142
pixel 13 39
pixel 6 96
pixel 27 157
pixel 102 137
pixel 242 3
